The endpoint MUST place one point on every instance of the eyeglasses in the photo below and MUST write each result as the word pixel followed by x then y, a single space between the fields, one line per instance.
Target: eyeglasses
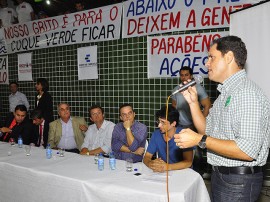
pixel 126 115
pixel 95 114
pixel 160 122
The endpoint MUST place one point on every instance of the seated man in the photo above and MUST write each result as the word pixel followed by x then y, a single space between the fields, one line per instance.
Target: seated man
pixel 178 158
pixel 129 136
pixel 98 137
pixel 67 132
pixel 41 128
pixel 18 125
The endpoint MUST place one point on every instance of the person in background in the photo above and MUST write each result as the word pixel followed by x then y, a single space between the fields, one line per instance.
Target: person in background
pixel 67 132
pixel 8 16
pixel 129 136
pixel 43 99
pixel 185 118
pixel 25 11
pixel 179 102
pixel 178 158
pixel 18 125
pixel 98 137
pixel 41 128
pixel 79 6
pixel 16 97
pixel 42 15
pixel 236 131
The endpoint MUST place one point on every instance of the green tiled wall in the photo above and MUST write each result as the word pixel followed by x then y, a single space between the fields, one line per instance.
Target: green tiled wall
pixel 122 67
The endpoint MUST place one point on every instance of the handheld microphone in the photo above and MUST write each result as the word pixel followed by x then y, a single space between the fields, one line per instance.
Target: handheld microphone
pixel 196 79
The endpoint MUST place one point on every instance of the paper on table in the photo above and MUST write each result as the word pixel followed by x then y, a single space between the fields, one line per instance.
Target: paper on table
pixel 156 177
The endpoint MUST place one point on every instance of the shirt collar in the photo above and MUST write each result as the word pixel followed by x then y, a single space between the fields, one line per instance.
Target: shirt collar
pixel 102 125
pixel 70 119
pixel 43 122
pixel 231 82
pixel 14 93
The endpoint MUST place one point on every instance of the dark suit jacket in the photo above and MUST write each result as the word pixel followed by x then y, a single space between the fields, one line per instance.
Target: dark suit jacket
pixel 45 104
pixel 25 129
pixel 45 134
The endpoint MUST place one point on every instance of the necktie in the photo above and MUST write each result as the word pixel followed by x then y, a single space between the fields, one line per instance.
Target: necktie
pixel 13 123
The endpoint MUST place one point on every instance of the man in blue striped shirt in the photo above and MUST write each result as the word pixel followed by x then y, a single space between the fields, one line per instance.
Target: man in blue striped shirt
pixel 129 136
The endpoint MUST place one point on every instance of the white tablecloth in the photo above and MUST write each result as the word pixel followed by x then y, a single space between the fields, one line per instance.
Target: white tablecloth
pixel 76 178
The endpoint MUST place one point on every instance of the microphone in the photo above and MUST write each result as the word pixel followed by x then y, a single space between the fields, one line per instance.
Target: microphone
pixel 196 79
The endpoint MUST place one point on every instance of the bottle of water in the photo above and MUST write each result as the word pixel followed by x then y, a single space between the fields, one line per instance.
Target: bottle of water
pixel 100 162
pixel 112 161
pixel 48 151
pixel 20 142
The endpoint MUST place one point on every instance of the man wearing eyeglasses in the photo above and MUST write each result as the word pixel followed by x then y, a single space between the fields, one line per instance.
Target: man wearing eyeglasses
pixel 178 158
pixel 99 135
pixel 129 136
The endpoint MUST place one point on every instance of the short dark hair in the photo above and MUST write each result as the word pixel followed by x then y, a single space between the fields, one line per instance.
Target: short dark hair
pixel 173 114
pixel 22 108
pixel 234 44
pixel 125 105
pixel 186 68
pixel 44 83
pixel 14 82
pixel 94 107
pixel 37 114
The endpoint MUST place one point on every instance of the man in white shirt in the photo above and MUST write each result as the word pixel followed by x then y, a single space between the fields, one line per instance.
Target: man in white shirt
pixel 25 11
pixel 8 16
pixel 16 97
pixel 98 136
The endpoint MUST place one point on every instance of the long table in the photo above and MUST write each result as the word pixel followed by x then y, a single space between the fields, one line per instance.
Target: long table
pixel 76 178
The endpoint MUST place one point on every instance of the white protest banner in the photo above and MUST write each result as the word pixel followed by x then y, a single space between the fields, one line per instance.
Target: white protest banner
pixel 167 54
pixel 145 17
pixel 3 47
pixel 99 24
pixel 87 63
pixel 25 67
pixel 4 70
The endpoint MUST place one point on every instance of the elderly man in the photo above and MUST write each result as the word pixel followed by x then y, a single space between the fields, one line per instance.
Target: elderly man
pixel 67 132
pixel 18 125
pixel 129 136
pixel 236 131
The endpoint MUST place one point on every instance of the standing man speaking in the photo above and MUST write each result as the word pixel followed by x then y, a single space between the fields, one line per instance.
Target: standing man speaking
pixel 236 132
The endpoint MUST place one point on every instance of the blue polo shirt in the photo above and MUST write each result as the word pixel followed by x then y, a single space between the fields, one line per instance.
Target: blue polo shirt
pixel 158 145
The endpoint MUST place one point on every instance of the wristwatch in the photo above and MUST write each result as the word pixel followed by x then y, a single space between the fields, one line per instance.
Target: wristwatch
pixel 128 129
pixel 87 153
pixel 202 143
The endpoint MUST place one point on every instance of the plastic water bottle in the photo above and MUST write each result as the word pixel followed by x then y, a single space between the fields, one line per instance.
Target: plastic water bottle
pixel 112 161
pixel 48 151
pixel 20 142
pixel 100 162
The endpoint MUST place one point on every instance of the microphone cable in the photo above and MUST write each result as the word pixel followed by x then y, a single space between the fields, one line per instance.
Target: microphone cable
pixel 167 143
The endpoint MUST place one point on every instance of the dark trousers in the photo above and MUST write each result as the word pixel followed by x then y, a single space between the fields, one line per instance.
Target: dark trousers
pixel 235 187
pixel 73 150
